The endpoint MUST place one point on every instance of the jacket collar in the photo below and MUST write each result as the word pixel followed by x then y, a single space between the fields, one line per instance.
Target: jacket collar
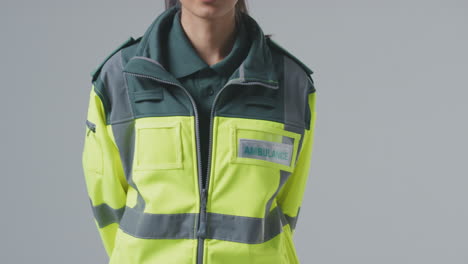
pixel 257 67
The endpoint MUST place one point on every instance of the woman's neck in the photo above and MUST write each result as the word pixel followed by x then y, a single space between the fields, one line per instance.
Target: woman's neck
pixel 212 39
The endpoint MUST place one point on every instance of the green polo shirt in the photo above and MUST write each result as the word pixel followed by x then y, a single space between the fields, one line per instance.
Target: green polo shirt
pixel 201 80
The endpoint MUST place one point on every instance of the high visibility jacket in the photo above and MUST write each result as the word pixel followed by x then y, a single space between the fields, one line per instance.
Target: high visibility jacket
pixel 141 157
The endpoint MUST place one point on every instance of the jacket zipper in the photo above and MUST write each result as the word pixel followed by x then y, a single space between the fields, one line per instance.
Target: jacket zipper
pixel 202 191
pixel 202 218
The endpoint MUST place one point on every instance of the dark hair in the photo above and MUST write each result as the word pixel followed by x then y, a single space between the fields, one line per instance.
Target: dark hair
pixel 241 6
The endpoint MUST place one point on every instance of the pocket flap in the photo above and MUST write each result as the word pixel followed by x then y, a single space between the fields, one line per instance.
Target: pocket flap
pixel 151 95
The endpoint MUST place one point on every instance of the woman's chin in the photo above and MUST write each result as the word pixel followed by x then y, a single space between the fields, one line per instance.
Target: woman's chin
pixel 209 9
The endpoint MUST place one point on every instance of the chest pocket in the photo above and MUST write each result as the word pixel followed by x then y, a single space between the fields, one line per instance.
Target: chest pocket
pixel 264 146
pixel 158 144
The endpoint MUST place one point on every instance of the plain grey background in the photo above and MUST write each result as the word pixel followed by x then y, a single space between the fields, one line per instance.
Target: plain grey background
pixel 388 182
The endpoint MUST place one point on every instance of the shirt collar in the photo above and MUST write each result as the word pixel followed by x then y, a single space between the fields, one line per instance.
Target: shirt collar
pixel 237 54
pixel 257 67
pixel 182 59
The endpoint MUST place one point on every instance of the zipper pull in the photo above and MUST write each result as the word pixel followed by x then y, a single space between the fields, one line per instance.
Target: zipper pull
pixel 202 226
pixel 91 126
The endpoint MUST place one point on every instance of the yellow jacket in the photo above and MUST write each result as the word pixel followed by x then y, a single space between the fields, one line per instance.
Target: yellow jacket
pixel 142 167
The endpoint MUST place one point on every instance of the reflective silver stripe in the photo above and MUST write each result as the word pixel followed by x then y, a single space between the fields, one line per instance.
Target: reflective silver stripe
pixel 121 116
pixel 250 230
pixel 297 83
pixel 145 225
pixel 284 175
pixel 106 215
pixel 292 220
pixel 124 134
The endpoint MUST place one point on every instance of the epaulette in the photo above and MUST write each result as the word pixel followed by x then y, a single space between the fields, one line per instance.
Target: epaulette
pixel 276 45
pixel 128 42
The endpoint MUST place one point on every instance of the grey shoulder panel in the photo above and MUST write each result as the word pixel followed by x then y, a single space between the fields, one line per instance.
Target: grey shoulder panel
pixel 110 85
pixel 296 88
pixel 97 70
pixel 276 46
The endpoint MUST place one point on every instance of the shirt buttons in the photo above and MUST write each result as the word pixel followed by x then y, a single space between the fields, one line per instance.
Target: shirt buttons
pixel 210 91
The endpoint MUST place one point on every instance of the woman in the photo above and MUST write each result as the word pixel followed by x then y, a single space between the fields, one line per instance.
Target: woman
pixel 199 140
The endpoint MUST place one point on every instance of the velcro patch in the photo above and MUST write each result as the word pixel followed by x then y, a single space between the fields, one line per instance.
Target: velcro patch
pixel 280 153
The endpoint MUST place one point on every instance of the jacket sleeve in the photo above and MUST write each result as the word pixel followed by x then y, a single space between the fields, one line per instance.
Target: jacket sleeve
pixel 291 194
pixel 103 173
